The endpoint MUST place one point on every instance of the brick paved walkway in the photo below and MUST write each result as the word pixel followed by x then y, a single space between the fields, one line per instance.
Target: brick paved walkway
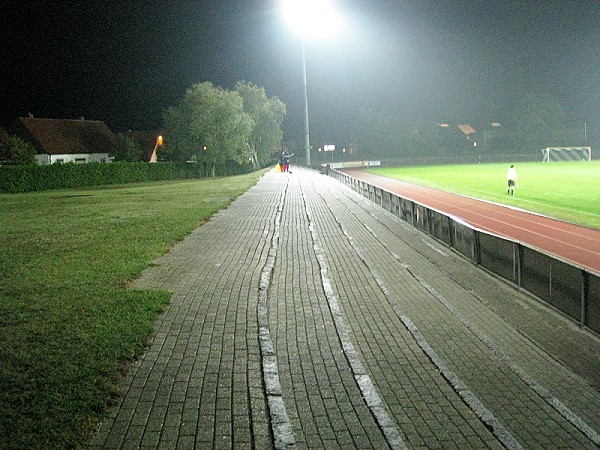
pixel 304 316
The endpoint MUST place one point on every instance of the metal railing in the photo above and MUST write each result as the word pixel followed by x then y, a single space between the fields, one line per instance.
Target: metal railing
pixel 573 291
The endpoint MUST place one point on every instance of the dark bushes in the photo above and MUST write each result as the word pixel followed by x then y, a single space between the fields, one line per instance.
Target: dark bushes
pixel 15 179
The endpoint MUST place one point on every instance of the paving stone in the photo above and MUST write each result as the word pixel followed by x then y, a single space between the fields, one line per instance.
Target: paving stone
pixel 305 316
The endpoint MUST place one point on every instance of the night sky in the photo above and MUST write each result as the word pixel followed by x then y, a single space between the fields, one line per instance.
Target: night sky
pixel 124 62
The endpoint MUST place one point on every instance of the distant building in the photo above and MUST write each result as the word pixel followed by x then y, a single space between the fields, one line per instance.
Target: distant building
pixel 457 138
pixel 467 130
pixel 66 140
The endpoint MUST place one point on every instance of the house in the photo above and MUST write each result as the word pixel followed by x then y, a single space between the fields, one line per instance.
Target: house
pixel 457 138
pixel 467 130
pixel 66 140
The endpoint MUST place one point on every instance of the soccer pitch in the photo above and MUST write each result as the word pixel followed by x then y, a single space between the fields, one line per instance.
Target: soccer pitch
pixel 568 191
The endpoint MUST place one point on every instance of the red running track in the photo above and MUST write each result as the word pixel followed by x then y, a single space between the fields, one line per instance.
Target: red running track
pixel 574 243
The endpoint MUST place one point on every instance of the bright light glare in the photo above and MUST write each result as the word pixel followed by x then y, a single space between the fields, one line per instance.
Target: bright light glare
pixel 312 18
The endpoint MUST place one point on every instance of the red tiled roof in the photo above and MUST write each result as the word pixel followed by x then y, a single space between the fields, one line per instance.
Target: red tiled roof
pixel 466 129
pixel 68 136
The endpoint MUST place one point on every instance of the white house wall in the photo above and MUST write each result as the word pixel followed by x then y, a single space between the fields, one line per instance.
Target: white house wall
pixel 43 160
pixel 85 158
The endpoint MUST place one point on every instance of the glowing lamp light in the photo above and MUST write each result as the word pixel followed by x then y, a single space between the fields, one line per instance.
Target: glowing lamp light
pixel 159 140
pixel 312 18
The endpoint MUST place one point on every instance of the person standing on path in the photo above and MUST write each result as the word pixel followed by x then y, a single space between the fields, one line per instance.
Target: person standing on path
pixel 513 180
pixel 284 161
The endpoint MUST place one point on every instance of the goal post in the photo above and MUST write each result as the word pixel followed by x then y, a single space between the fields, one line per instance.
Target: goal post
pixel 566 154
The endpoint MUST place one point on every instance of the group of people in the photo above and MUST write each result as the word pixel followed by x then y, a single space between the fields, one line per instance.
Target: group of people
pixel 284 161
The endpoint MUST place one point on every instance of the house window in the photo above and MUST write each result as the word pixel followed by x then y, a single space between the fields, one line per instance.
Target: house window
pixel 59 161
pixel 103 160
pixel 79 160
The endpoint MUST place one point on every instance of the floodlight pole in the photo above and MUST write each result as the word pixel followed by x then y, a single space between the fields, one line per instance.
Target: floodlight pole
pixel 306 133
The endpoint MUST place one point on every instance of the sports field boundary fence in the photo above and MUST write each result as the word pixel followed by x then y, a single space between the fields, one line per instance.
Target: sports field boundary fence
pixel 573 291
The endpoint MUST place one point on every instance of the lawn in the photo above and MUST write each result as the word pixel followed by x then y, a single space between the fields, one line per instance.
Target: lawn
pixel 568 191
pixel 68 323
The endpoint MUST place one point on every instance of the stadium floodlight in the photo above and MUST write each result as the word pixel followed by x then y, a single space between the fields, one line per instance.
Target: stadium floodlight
pixel 311 19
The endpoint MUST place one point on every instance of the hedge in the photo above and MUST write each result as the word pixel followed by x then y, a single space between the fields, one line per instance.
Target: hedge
pixel 16 179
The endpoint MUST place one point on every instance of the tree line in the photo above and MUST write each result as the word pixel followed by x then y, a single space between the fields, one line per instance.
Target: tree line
pixel 214 126
pixel 534 121
pixel 211 125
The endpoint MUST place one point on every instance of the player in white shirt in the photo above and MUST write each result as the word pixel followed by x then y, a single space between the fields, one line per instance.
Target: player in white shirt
pixel 513 180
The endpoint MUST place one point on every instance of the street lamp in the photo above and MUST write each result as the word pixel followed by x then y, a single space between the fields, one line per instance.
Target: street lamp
pixel 159 143
pixel 310 19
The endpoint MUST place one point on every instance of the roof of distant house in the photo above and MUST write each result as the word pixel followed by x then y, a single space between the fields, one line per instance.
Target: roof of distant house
pixel 466 129
pixel 69 136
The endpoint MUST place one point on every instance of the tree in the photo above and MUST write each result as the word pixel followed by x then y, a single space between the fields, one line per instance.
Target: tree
pixel 382 134
pixel 16 151
pixel 267 114
pixel 127 149
pixel 426 139
pixel 210 126
pixel 539 121
pixel 402 135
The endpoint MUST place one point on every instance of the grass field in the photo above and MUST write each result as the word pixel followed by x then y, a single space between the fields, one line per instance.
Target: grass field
pixel 68 323
pixel 568 191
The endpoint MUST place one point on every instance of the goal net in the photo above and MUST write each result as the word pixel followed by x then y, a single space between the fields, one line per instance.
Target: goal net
pixel 567 154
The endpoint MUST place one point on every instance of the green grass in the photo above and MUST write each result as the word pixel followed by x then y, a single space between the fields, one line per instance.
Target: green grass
pixel 568 191
pixel 68 323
